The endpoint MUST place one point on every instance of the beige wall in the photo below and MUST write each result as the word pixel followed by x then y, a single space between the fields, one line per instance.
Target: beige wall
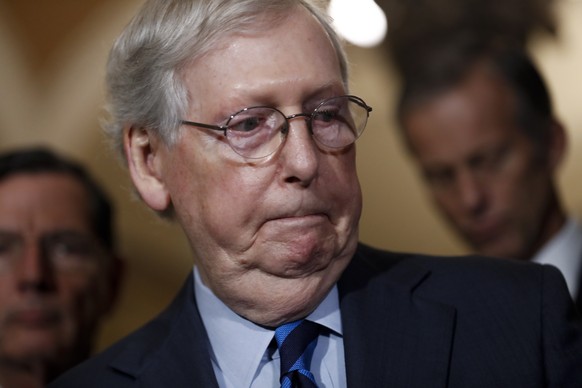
pixel 51 71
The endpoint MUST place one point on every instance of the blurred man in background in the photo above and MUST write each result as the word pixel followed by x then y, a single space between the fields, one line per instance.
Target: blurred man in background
pixel 58 272
pixel 479 122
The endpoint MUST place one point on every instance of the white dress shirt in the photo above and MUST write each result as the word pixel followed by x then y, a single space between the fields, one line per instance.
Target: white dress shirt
pixel 564 251
pixel 244 354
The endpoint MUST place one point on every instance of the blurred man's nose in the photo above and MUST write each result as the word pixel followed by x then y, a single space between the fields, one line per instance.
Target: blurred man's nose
pixel 470 191
pixel 33 269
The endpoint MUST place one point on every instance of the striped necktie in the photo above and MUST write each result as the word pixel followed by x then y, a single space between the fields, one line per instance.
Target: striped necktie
pixel 296 342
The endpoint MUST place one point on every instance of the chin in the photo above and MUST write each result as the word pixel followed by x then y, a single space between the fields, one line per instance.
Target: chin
pixel 270 300
pixel 296 305
pixel 501 250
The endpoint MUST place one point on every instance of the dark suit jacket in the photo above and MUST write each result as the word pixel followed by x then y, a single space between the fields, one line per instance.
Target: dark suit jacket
pixel 408 321
pixel 578 298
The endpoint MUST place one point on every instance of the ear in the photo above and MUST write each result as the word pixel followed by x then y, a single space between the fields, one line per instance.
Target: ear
pixel 142 149
pixel 558 143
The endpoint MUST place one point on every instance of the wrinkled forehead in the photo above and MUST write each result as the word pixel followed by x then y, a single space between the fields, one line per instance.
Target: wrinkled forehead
pixel 290 62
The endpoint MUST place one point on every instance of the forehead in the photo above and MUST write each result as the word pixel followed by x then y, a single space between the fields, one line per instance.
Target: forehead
pixel 42 202
pixel 275 64
pixel 479 112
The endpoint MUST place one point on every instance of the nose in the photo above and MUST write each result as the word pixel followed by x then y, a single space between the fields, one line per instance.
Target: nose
pixel 34 272
pixel 470 191
pixel 300 155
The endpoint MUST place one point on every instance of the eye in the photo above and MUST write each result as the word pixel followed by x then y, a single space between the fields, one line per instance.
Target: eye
pixel 246 123
pixel 253 120
pixel 70 246
pixel 328 112
pixel 341 112
pixel 326 115
pixel 440 178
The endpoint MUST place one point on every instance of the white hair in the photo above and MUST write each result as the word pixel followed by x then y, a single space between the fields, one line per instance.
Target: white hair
pixel 144 83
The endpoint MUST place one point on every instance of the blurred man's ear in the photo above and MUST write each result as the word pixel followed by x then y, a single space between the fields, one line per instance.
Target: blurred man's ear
pixel 141 148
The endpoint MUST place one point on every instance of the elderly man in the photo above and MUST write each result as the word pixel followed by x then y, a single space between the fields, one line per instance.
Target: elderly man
pixel 480 125
pixel 58 273
pixel 236 121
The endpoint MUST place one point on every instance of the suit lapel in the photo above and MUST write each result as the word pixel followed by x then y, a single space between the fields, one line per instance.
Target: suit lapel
pixel 172 350
pixel 392 337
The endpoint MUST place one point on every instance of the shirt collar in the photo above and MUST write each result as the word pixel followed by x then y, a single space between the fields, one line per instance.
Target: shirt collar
pixel 564 251
pixel 238 345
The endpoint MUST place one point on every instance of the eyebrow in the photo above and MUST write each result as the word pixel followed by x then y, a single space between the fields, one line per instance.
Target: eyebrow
pixel 327 90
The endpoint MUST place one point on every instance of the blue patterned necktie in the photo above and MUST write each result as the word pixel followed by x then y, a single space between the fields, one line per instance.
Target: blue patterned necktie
pixel 296 342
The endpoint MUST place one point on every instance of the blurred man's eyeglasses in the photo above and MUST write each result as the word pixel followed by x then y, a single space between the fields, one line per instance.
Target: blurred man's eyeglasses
pixel 65 251
pixel 259 131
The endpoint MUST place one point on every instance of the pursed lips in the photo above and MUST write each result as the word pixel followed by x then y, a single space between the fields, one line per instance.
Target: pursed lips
pixel 300 218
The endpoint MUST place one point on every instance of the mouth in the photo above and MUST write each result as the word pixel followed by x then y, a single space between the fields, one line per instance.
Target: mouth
pixel 300 219
pixel 35 318
pixel 485 233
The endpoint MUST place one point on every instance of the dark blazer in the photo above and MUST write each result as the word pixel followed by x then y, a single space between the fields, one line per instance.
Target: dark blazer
pixel 408 321
pixel 578 297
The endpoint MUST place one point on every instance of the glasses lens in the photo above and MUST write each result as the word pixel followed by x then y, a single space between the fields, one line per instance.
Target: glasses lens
pixel 339 121
pixel 255 132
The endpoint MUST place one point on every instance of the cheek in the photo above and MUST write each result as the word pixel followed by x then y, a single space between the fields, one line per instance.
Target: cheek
pixel 219 204
pixel 531 199
pixel 447 203
pixel 340 171
pixel 350 191
pixel 80 297
pixel 523 189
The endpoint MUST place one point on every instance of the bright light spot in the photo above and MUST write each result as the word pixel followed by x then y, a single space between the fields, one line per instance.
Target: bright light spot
pixel 360 22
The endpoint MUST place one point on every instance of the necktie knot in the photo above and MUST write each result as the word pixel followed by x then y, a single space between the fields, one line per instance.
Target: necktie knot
pixel 296 342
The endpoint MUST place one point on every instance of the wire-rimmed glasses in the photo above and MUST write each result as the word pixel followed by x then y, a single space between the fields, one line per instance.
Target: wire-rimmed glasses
pixel 259 131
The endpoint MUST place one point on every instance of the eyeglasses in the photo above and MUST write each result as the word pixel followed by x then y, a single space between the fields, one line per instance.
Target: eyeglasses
pixel 259 131
pixel 65 251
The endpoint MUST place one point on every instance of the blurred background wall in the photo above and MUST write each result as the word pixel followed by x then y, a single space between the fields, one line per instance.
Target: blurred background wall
pixel 52 56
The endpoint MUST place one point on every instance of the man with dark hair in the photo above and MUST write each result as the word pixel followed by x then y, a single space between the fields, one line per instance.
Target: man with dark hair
pixel 58 271
pixel 478 120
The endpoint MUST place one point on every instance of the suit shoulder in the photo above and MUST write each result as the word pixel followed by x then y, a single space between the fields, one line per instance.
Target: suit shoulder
pixel 458 271
pixel 116 366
